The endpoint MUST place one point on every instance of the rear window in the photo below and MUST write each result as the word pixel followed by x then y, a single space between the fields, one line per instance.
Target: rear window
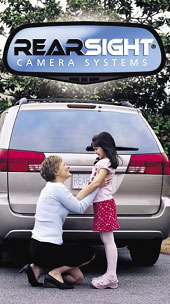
pixel 70 131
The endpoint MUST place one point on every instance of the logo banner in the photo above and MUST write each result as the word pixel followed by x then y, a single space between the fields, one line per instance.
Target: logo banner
pixel 84 52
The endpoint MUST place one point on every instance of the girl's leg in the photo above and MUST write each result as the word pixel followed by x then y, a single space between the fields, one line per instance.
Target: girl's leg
pixel 111 252
pixel 109 279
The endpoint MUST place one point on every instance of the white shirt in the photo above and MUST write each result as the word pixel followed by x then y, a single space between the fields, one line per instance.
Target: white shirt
pixel 54 204
pixel 104 193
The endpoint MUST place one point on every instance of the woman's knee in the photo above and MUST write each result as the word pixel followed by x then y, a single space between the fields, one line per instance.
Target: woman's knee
pixel 79 278
pixel 77 274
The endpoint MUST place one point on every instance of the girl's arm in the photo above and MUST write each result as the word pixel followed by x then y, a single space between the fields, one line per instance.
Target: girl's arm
pixel 93 185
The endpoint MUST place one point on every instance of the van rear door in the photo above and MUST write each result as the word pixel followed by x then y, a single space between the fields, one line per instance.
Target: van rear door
pixel 45 129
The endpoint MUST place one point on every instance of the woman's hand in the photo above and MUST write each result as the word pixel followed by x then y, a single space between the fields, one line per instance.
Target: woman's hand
pixel 106 181
pixel 101 180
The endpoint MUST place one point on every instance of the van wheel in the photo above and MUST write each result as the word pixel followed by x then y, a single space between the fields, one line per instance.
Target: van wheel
pixel 145 252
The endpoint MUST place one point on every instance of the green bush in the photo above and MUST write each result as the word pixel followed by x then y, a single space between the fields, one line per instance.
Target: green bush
pixel 161 126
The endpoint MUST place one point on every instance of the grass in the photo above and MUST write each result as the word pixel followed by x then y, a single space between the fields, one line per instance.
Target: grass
pixel 165 246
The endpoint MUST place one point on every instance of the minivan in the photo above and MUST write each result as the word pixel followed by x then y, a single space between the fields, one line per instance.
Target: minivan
pixel 34 129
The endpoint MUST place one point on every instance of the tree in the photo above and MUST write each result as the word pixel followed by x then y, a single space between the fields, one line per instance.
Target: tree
pixel 18 12
pixel 150 93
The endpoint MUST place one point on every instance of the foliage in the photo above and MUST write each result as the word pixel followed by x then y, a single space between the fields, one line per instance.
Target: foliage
pixel 83 4
pixel 150 94
pixel 18 12
pixel 147 93
pixel 161 126
pixel 148 9
pixel 93 10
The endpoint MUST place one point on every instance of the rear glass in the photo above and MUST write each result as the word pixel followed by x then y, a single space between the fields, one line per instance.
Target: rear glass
pixel 70 131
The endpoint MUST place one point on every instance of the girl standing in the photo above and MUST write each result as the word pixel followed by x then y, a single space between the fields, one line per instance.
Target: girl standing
pixel 105 217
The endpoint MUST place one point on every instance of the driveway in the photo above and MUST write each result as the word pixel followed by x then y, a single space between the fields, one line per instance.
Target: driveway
pixel 138 285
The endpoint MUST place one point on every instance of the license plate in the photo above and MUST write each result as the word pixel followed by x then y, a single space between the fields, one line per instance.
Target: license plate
pixel 79 180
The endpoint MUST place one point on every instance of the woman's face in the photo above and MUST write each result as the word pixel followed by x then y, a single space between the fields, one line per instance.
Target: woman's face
pixel 100 152
pixel 63 171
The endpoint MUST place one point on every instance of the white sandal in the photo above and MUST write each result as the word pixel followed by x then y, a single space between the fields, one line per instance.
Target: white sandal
pixel 105 281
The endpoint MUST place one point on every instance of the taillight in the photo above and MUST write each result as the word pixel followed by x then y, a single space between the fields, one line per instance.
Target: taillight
pixel 3 159
pixel 149 164
pixel 166 164
pixel 21 161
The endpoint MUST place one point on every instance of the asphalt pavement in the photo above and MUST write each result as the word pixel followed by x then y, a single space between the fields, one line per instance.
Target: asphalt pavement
pixel 137 284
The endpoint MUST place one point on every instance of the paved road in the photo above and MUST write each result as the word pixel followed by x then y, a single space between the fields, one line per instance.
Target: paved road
pixel 138 285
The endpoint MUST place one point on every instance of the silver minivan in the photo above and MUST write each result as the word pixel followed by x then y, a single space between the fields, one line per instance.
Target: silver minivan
pixel 35 129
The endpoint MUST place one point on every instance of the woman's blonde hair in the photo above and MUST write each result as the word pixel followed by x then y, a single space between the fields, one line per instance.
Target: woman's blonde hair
pixel 49 167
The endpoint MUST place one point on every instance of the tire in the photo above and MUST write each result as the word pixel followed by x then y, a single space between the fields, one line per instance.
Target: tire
pixel 145 252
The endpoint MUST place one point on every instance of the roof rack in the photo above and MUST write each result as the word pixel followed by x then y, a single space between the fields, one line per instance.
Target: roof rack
pixel 24 100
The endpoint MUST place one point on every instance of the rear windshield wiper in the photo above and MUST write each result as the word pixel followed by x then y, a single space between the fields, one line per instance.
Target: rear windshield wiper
pixel 90 148
pixel 127 149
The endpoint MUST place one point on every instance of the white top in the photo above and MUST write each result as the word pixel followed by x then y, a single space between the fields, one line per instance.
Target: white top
pixel 54 204
pixel 104 193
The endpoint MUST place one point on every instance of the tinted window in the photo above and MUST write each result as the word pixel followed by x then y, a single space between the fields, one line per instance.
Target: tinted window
pixel 71 131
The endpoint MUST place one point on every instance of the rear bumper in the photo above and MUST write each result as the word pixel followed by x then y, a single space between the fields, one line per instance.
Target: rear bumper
pixel 131 227
pixel 14 225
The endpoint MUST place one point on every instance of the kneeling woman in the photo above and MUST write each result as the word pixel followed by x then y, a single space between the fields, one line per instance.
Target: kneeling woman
pixel 47 253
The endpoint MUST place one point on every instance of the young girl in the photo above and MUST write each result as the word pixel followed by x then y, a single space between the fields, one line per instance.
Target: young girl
pixel 105 217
